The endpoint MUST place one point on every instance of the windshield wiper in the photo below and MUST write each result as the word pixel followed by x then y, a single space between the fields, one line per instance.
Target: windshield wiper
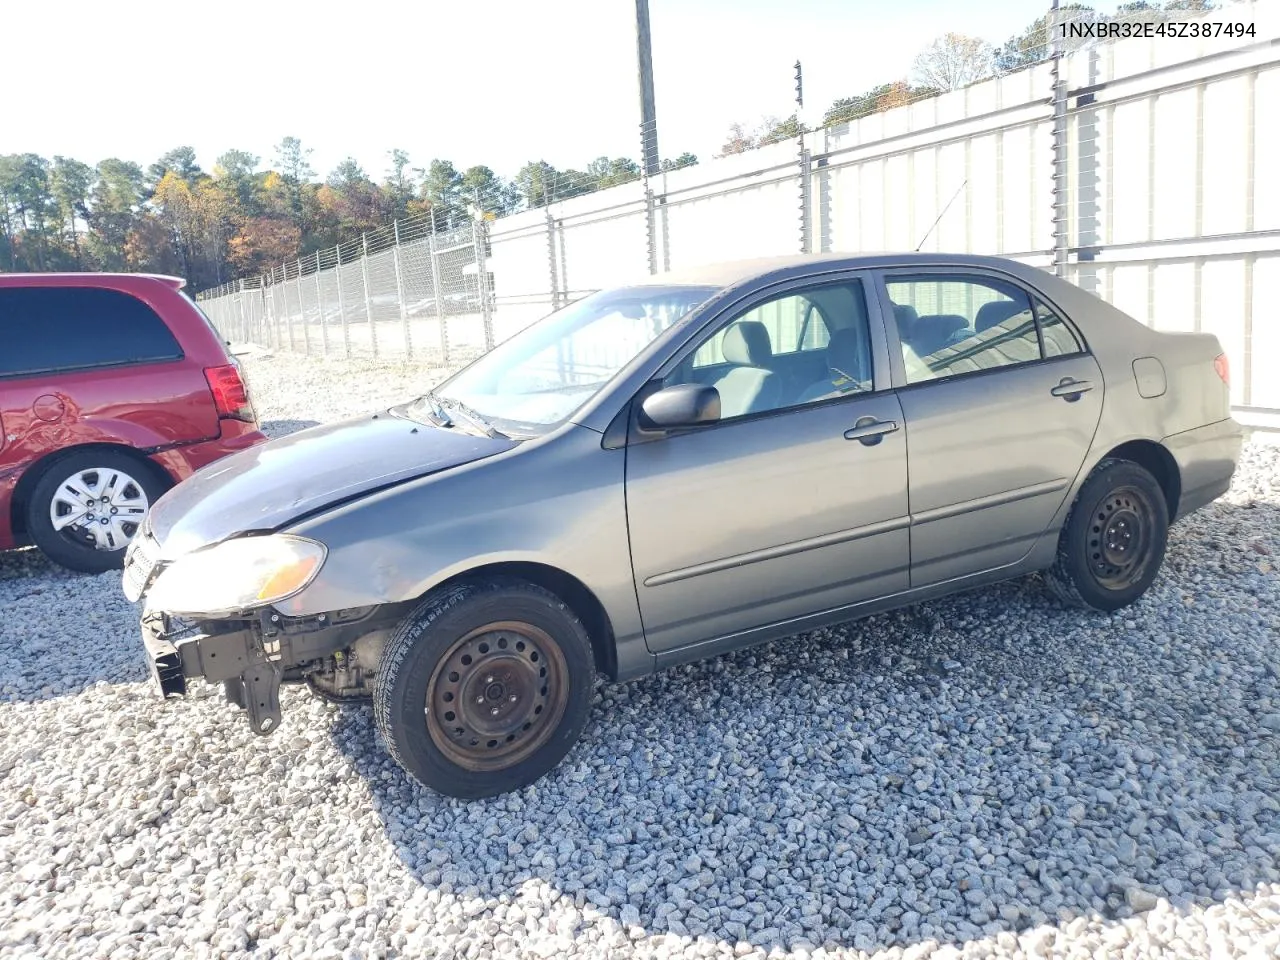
pixel 467 412
pixel 435 410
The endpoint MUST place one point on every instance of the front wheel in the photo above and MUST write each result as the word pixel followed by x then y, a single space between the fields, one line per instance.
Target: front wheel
pixel 1113 543
pixel 484 689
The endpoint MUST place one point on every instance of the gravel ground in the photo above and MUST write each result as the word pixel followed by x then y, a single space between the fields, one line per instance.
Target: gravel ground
pixel 983 776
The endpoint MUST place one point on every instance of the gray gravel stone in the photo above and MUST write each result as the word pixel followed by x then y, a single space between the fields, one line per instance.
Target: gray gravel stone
pixel 989 775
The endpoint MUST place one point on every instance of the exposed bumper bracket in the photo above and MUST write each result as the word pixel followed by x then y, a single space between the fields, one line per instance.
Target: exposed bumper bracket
pixel 257 691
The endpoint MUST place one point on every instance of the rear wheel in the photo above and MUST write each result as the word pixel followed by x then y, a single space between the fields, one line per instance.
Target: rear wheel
pixel 87 507
pixel 484 689
pixel 1113 543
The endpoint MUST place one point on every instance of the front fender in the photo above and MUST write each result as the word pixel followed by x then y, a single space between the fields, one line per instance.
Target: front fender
pixel 559 502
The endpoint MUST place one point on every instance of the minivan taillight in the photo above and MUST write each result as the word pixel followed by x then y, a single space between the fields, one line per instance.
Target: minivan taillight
pixel 1223 367
pixel 230 395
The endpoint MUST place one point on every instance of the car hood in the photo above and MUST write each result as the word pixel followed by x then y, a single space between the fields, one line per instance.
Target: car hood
pixel 273 483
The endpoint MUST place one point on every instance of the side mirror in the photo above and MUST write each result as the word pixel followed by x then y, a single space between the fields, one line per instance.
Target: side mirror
pixel 683 405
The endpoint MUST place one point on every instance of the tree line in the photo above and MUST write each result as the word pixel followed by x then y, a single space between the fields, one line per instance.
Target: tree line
pixel 241 218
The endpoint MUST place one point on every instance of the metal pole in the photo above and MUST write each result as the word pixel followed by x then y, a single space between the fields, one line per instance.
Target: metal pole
pixel 404 310
pixel 1060 160
pixel 650 164
pixel 302 312
pixel 244 322
pixel 284 294
pixel 324 330
pixel 648 118
pixel 278 312
pixel 804 163
pixel 482 284
pixel 438 292
pixel 564 264
pixel 260 318
pixel 551 245
pixel 342 310
pixel 368 300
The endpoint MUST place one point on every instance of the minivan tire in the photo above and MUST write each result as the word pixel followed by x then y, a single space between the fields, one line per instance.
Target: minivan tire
pixel 69 551
pixel 1113 543
pixel 484 688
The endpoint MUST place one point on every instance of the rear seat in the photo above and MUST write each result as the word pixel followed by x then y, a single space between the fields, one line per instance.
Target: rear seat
pixel 934 331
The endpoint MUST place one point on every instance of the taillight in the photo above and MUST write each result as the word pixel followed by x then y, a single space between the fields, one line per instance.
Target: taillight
pixel 1223 367
pixel 230 395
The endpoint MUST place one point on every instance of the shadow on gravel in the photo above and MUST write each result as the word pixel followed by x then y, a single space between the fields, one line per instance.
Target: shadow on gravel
pixel 955 770
pixel 281 428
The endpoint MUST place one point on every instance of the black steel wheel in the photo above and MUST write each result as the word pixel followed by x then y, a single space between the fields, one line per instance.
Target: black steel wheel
pixel 1113 542
pixel 485 688
pixel 497 695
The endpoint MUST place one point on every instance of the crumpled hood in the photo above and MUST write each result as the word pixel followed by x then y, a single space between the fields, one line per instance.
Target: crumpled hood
pixel 267 486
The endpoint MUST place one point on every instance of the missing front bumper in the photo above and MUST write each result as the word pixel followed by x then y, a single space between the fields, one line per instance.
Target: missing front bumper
pixel 234 658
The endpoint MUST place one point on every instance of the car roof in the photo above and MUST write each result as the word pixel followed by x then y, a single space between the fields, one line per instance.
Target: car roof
pixel 730 273
pixel 87 278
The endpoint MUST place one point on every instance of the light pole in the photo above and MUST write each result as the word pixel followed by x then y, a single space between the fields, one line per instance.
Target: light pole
pixel 648 120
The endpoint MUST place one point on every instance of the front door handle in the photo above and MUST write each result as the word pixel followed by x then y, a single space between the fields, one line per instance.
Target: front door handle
pixel 869 431
pixel 1070 389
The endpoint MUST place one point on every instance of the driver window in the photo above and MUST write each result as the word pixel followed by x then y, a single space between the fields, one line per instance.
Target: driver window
pixel 797 348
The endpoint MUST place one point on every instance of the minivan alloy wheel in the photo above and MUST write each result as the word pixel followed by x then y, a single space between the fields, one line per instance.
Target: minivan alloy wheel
pixel 73 495
pixel 99 504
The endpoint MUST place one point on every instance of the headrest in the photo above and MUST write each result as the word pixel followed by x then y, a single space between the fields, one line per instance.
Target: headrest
pixel 747 341
pixel 990 314
pixel 942 324
pixel 933 332
pixel 844 354
pixel 906 316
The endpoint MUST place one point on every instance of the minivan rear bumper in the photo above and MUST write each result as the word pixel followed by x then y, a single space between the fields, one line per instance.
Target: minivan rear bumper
pixel 181 462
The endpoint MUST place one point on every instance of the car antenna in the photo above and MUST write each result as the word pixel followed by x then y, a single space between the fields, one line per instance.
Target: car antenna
pixel 942 214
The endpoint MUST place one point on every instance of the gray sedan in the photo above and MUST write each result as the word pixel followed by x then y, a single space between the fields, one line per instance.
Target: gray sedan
pixel 674 469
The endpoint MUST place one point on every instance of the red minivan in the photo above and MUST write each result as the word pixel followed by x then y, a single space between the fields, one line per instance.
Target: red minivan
pixel 113 387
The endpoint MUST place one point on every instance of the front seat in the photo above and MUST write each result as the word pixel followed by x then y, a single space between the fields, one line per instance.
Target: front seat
pixel 847 364
pixel 749 386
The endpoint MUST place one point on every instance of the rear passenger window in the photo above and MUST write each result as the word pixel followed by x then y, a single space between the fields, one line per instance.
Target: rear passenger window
pixel 51 329
pixel 1059 340
pixel 950 325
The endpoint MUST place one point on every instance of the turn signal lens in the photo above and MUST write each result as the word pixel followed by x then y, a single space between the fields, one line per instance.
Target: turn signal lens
pixel 289 579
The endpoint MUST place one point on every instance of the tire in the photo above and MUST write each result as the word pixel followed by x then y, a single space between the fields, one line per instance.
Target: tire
pixel 1113 543
pixel 484 689
pixel 88 546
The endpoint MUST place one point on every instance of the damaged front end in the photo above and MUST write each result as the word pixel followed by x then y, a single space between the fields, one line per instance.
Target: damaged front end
pixel 335 654
pixel 252 653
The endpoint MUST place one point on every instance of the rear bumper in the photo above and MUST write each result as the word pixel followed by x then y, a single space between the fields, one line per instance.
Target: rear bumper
pixel 181 462
pixel 1207 458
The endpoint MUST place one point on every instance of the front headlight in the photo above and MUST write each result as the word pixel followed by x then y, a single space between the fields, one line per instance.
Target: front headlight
pixel 235 575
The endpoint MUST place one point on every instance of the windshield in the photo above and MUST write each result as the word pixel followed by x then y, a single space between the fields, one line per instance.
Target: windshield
pixel 542 375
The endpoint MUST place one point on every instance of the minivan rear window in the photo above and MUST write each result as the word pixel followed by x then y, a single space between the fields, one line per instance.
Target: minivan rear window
pixel 53 329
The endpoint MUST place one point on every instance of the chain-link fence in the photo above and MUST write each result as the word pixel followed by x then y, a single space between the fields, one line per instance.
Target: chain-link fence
pixel 407 291
pixel 1143 169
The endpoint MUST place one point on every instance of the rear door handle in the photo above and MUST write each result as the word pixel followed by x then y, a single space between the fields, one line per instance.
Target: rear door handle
pixel 1070 390
pixel 869 431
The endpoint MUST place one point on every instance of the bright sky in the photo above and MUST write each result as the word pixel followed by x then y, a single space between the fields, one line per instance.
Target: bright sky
pixel 497 82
